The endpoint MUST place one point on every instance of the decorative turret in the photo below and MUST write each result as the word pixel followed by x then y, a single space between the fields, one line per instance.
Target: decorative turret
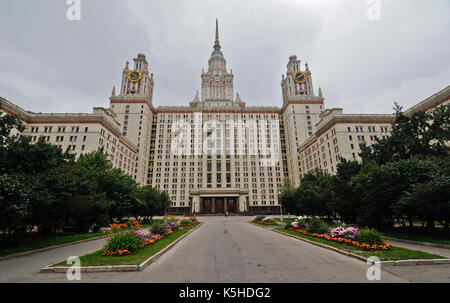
pixel 196 100
pixel 296 84
pixel 136 83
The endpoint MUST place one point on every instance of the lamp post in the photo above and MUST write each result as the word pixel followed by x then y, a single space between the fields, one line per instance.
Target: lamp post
pixel 281 212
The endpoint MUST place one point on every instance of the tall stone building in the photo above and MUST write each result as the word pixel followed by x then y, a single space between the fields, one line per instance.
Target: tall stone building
pixel 134 110
pixel 216 154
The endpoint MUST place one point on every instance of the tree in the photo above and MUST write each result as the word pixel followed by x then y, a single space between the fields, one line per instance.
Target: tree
pixel 20 155
pixel 421 134
pixel 287 197
pixel 347 199
pixel 14 208
pixel 8 123
pixel 428 196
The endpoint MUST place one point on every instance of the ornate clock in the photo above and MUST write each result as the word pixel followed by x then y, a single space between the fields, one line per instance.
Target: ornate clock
pixel 134 75
pixel 299 77
pixel 217 78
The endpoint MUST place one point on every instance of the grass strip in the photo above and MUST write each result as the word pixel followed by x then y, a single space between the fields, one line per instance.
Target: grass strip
pixel 396 253
pixel 264 225
pixel 285 220
pixel 136 258
pixel 33 244
pixel 419 238
pixel 191 226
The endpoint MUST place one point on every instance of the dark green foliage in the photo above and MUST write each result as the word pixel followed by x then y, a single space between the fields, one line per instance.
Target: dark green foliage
pixel 314 197
pixel 126 240
pixel 369 236
pixel 421 134
pixel 403 178
pixel 42 186
pixel 316 225
pixel 347 199
pixel 158 228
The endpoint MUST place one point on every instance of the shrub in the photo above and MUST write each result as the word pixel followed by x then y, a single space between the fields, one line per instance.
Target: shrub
pixel 123 241
pixel 343 232
pixel 369 236
pixel 258 218
pixel 267 219
pixel 158 228
pixel 316 225
pixel 185 222
pixel 170 226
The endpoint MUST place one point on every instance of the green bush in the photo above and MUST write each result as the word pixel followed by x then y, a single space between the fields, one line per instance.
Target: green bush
pixel 369 236
pixel 121 241
pixel 158 228
pixel 316 225
pixel 259 218
pixel 303 223
pixel 185 222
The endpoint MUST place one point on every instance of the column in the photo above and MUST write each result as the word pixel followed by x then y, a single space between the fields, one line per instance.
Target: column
pixel 201 205
pixel 225 204
pixel 213 206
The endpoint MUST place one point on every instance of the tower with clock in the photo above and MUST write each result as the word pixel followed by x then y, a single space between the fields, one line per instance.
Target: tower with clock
pixel 301 110
pixel 134 110
pixel 298 83
pixel 136 82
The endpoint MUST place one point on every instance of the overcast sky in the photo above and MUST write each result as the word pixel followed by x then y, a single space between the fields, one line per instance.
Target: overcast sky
pixel 50 64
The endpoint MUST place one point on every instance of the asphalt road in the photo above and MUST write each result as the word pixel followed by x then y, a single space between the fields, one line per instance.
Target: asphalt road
pixel 227 249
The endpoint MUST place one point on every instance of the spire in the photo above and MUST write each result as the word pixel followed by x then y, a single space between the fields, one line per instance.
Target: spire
pixel 320 93
pixel 217 43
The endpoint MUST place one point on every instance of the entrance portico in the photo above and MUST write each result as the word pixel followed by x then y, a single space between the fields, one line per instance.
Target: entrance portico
pixel 219 200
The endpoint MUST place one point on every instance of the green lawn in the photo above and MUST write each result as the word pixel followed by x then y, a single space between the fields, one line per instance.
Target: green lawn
pixel 96 258
pixel 191 226
pixel 396 253
pixel 418 237
pixel 264 225
pixel 285 220
pixel 37 242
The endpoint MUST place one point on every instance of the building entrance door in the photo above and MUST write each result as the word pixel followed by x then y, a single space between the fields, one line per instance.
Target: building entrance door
pixel 232 205
pixel 219 206
pixel 205 206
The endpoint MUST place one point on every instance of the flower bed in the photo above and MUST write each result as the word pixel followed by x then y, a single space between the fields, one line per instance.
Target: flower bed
pixel 191 223
pixel 188 221
pixel 264 220
pixel 127 238
pixel 386 246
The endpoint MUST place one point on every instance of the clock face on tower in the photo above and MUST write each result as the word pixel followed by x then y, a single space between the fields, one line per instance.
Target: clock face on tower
pixel 299 77
pixel 217 77
pixel 134 75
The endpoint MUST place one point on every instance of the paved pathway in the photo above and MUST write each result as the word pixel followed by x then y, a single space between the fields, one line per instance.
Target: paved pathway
pixel 228 249
pixel 429 249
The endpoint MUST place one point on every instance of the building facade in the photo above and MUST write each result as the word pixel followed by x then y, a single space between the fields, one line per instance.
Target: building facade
pixel 216 154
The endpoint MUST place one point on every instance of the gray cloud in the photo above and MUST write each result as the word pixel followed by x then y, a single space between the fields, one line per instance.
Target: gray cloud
pixel 50 64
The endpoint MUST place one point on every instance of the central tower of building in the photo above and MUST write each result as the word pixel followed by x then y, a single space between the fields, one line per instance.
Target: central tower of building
pixel 217 82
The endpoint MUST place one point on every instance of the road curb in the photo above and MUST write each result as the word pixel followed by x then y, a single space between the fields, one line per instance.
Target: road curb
pixel 118 268
pixel 29 252
pixel 160 253
pixel 417 242
pixel 411 262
